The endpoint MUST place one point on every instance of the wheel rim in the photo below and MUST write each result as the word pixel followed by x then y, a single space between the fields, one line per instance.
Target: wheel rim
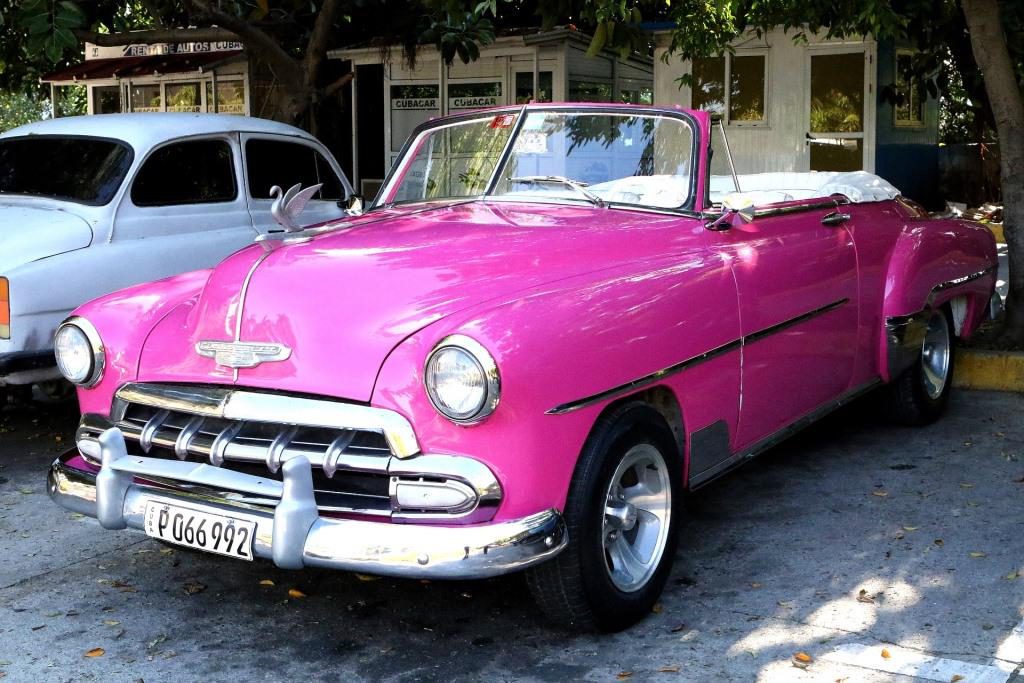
pixel 935 355
pixel 638 507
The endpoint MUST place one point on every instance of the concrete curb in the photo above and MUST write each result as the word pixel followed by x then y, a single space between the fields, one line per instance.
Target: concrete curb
pixel 989 370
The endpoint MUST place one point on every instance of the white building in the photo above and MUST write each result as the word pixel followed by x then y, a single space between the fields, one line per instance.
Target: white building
pixel 390 98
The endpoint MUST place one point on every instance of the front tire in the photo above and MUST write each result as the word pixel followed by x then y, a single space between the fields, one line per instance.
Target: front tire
pixel 919 396
pixel 622 514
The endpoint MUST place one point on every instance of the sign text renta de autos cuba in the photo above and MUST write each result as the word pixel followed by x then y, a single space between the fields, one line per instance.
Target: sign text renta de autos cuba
pixel 143 50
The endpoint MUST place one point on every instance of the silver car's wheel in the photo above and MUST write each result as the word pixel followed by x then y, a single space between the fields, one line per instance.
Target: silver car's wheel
pixel 935 355
pixel 637 514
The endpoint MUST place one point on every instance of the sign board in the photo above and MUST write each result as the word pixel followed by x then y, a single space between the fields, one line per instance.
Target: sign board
pixel 411 105
pixel 143 50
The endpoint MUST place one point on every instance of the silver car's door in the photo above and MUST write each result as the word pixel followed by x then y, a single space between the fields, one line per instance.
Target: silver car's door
pixel 184 209
pixel 284 161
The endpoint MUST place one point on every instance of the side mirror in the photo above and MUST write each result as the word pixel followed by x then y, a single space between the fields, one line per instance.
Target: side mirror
pixel 732 207
pixel 354 204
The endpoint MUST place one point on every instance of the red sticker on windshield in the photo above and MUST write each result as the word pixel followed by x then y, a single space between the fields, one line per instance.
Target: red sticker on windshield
pixel 503 121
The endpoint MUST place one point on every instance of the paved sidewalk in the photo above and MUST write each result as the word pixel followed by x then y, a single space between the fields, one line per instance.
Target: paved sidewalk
pixel 883 554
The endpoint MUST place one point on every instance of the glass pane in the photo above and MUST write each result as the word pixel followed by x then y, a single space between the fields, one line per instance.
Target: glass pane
pixel 194 172
pixel 709 84
pixel 230 97
pixel 455 160
pixel 83 169
pixel 721 182
pixel 146 98
pixel 837 154
pixel 837 93
pixel 468 96
pixel 411 105
pixel 589 91
pixel 909 91
pixel 183 97
pixel 524 87
pixel 746 88
pixel 625 159
pixel 273 162
pixel 106 99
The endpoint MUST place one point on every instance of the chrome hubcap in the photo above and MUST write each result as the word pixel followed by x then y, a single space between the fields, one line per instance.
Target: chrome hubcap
pixel 637 510
pixel 935 355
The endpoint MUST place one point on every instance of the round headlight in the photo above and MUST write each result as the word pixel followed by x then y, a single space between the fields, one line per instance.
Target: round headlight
pixel 79 352
pixel 462 380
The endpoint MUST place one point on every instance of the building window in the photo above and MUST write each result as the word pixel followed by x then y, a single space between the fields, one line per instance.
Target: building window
pixel 524 87
pixel 743 103
pixel 411 105
pixel 106 99
pixel 590 91
pixel 230 97
pixel 193 172
pixel 910 92
pixel 146 98
pixel 183 97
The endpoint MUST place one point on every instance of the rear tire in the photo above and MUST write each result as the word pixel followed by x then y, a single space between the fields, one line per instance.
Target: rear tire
pixel 919 396
pixel 622 514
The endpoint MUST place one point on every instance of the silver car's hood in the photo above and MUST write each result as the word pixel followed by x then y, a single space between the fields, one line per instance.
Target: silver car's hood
pixel 29 233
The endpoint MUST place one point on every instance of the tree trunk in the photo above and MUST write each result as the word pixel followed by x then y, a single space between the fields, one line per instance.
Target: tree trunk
pixel 989 46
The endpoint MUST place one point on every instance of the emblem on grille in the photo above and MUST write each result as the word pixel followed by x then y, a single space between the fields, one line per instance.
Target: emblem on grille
pixel 242 354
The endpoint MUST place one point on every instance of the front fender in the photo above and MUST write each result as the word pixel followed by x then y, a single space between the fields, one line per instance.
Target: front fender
pixel 124 319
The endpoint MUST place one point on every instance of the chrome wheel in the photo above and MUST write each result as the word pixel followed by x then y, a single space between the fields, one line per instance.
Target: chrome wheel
pixel 638 507
pixel 935 355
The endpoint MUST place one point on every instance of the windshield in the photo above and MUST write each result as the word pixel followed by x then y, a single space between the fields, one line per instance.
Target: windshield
pixel 597 157
pixel 77 169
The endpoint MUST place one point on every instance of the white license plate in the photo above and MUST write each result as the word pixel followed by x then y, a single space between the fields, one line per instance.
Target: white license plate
pixel 201 530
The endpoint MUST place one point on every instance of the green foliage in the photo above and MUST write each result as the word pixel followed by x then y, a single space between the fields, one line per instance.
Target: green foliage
pixel 18 108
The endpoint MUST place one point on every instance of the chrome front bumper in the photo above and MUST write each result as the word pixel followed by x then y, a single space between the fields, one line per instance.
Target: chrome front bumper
pixel 293 534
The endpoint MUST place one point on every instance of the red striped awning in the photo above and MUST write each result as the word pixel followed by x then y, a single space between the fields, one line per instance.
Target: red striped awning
pixel 132 67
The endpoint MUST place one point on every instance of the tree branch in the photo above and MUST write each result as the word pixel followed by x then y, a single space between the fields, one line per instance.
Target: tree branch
pixel 339 84
pixel 210 34
pixel 316 50
pixel 256 40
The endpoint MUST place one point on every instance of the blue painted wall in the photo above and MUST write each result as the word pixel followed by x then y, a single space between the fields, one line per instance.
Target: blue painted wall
pixel 908 157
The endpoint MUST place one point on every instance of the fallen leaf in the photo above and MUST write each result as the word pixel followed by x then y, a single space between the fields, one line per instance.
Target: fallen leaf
pixel 977 554
pixel 96 652
pixel 755 584
pixel 803 657
pixel 911 528
pixel 367 577
pixel 677 628
pixel 955 678
pixel 623 675
pixel 295 593
pixel 669 669
pixel 166 551
pixel 1013 575
pixel 880 494
pixel 266 582
pixel 111 622
pixel 965 485
pixel 788 604
pixel 156 641
pixel 885 654
pixel 863 596
pixel 657 609
pixel 938 542
pixel 194 587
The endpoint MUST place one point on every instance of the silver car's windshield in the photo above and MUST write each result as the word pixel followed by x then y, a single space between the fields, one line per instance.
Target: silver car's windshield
pixel 78 169
pixel 603 158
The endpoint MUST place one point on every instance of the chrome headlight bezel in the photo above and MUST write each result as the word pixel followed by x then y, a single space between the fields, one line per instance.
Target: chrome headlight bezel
pixel 97 353
pixel 489 372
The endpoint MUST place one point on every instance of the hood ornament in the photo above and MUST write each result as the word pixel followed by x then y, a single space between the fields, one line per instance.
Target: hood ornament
pixel 242 354
pixel 288 205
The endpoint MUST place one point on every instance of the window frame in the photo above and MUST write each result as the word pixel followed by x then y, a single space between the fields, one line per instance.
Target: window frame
pixel 726 115
pixel 130 188
pixel 913 85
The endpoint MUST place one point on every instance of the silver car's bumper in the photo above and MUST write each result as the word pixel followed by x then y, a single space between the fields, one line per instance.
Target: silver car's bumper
pixel 292 533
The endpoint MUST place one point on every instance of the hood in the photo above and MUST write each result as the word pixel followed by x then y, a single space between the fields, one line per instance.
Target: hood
pixel 342 301
pixel 29 233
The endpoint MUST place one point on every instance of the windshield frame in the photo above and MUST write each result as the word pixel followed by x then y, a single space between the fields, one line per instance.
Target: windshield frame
pixel 73 136
pixel 521 111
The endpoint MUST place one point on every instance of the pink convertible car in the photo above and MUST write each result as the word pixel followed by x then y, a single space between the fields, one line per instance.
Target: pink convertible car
pixel 554 321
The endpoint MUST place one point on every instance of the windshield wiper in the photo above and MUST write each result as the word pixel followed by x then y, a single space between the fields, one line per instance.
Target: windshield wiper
pixel 568 182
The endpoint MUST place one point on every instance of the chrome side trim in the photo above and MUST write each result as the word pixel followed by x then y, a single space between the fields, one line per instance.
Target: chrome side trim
pixel 235 404
pixel 659 375
pixel 964 280
pixel 778 437
pixel 293 535
pixel 904 336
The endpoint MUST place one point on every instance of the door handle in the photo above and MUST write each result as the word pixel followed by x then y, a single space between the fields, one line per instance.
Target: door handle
pixel 835 218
